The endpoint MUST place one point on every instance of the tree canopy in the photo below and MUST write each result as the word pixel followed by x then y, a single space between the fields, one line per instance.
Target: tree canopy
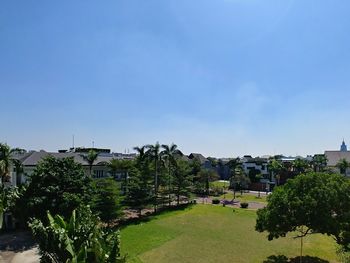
pixel 309 203
pixel 56 185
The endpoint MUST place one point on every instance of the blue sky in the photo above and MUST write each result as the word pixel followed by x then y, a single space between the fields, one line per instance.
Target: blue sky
pixel 220 77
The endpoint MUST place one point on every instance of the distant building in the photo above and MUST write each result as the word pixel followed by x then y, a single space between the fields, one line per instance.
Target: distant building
pixel 333 157
pixel 31 159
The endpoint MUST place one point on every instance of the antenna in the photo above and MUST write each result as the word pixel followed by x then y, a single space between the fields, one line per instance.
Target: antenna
pixel 93 144
pixel 73 141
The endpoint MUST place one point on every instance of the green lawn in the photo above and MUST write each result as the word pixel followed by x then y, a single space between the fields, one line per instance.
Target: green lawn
pixel 245 197
pixel 206 233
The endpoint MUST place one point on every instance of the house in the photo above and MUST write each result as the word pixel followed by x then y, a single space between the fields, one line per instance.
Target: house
pixel 99 169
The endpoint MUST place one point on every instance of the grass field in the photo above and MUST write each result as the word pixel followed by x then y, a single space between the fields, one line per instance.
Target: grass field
pixel 245 197
pixel 207 233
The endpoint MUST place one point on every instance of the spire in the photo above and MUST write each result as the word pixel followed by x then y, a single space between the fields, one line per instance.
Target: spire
pixel 343 147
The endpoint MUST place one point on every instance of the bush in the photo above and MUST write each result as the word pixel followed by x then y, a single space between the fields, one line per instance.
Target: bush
pixel 215 201
pixel 244 205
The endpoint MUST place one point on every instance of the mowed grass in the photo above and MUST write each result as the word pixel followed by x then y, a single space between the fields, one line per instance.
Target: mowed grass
pixel 246 197
pixel 207 233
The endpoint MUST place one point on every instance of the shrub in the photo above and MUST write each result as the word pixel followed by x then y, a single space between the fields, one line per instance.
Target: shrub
pixel 215 201
pixel 244 205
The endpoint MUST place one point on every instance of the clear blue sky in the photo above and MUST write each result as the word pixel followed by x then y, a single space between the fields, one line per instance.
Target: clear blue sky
pixel 223 77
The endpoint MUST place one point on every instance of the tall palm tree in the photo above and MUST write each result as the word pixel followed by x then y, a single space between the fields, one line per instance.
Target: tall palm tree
pixel 275 166
pixel 141 151
pixel 169 154
pixel 153 154
pixel 7 158
pixel 90 158
pixel 319 162
pixel 300 165
pixel 343 165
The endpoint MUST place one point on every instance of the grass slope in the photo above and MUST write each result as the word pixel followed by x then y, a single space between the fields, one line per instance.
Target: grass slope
pixel 206 233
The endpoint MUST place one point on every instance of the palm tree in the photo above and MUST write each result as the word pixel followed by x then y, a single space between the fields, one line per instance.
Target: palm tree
pixel 275 166
pixel 7 158
pixel 90 158
pixel 343 165
pixel 300 165
pixel 319 162
pixel 120 165
pixel 141 151
pixel 169 154
pixel 153 154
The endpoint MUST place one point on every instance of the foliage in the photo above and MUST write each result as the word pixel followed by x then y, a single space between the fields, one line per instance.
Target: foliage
pixel 254 175
pixel 90 158
pixel 244 205
pixel 79 239
pixel 319 162
pixel 106 201
pixel 314 202
pixel 182 180
pixel 56 185
pixel 139 193
pixel 275 167
pixel 8 197
pixel 343 165
pixel 205 177
pixel 7 159
pixel 300 165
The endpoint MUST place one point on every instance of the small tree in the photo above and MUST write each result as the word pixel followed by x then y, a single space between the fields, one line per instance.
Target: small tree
pixel 310 203
pixel 106 201
pixel 182 180
pixel 206 176
pixel 139 193
pixel 79 239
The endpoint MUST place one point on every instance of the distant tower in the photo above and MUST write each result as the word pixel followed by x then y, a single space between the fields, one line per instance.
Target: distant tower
pixel 343 147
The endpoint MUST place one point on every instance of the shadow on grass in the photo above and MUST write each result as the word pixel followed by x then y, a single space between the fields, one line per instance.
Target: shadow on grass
pixel 150 216
pixel 284 259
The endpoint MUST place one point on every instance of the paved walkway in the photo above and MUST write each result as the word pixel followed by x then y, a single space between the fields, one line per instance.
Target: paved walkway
pixel 18 247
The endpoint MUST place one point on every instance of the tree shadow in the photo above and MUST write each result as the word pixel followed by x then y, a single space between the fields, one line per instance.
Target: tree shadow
pixel 284 259
pixel 150 216
pixel 16 241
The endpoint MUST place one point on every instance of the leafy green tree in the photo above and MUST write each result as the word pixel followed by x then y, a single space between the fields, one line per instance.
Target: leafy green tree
pixel 239 179
pixel 343 165
pixel 170 153
pixel 309 203
pixel 182 180
pixel 56 185
pixel 7 158
pixel 77 240
pixel 106 201
pixel 8 197
pixel 90 158
pixel 206 176
pixel 253 175
pixel 139 193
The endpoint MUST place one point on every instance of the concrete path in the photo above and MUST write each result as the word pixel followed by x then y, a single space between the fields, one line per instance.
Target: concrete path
pixel 18 247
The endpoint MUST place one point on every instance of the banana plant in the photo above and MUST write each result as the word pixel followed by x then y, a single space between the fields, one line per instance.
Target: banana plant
pixel 80 239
